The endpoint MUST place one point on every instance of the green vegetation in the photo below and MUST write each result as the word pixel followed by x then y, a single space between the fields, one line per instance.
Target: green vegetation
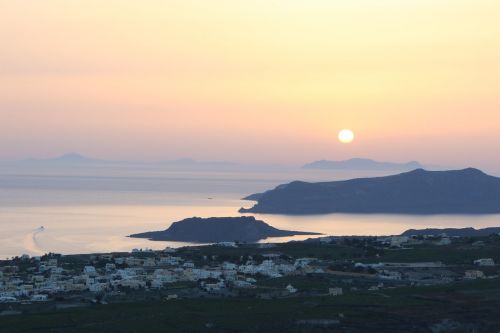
pixel 453 254
pixel 267 307
pixel 399 309
pixel 292 249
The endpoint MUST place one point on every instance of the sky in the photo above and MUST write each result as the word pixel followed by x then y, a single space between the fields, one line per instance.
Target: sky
pixel 261 81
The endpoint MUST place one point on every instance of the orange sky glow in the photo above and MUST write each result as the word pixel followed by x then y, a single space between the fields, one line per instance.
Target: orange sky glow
pixel 253 81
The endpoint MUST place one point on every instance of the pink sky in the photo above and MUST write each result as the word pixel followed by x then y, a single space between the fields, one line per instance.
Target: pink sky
pixel 256 81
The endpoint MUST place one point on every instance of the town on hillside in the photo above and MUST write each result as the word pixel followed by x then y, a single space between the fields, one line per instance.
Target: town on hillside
pixel 326 266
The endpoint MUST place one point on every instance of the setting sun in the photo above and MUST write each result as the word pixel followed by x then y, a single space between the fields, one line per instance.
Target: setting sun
pixel 162 158
pixel 346 136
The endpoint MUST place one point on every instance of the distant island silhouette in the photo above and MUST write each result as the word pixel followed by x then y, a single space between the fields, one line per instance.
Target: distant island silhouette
pixel 218 229
pixel 74 159
pixel 356 164
pixel 468 191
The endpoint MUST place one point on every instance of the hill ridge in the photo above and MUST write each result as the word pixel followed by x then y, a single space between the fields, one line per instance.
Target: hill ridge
pixel 465 191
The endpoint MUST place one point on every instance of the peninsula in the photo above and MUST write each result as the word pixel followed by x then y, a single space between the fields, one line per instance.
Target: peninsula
pixel 468 191
pixel 218 229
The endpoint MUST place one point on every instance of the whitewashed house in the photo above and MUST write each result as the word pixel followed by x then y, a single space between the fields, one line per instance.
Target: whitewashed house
pixel 227 244
pixel 303 262
pixel 230 275
pixel 188 265
pixel 98 287
pixel 474 274
pixel 110 267
pixel 242 284
pixel 90 271
pixel 335 291
pixel 7 299
pixel 170 261
pixel 149 262
pixel 484 262
pixel 229 266
pixel 39 298
pixel 390 275
pixel 444 241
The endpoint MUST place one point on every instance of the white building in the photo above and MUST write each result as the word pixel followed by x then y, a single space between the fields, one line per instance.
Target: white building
pixel 52 262
pixel 230 275
pixel 227 244
pixel 213 287
pixel 242 284
pixel 303 262
pixel 484 262
pixel 188 265
pixel 395 241
pixel 444 241
pixel 25 290
pixel 266 245
pixel 119 260
pixel 89 270
pixel 39 298
pixel 229 266
pixel 131 261
pixel 106 256
pixel 149 262
pixel 172 297
pixel 162 277
pixel 390 275
pixel 110 267
pixel 291 289
pixel 7 299
pixel 56 270
pixel 98 287
pixel 335 291
pixel 327 239
pixel 131 283
pixel 170 261
pixel 474 274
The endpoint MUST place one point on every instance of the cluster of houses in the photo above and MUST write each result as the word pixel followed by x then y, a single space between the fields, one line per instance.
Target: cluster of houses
pixel 400 241
pixel 35 279
pixel 44 278
pixel 426 273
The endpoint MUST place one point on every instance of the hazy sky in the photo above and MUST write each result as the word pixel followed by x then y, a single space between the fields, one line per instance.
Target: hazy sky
pixel 259 80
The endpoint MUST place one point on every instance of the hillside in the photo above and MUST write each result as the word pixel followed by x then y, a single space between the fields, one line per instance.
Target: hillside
pixel 452 232
pixel 468 191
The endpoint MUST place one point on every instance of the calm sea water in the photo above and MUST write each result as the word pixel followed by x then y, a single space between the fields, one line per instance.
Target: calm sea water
pixel 94 212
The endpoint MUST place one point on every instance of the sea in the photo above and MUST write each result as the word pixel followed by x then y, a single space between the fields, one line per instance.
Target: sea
pixel 74 210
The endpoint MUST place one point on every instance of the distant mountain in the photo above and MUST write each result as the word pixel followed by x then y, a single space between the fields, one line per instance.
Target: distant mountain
pixel 362 164
pixel 468 191
pixel 218 229
pixel 76 158
pixel 183 164
pixel 452 232
pixel 69 158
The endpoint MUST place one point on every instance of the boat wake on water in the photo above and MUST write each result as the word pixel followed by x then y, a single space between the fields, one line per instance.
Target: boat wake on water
pixel 30 241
